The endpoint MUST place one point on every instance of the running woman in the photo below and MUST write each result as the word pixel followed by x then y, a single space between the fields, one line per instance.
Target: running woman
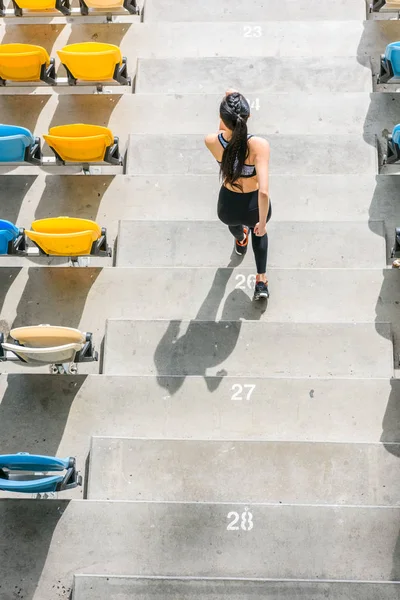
pixel 243 202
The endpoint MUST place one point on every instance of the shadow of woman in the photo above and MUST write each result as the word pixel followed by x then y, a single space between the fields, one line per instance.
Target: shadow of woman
pixel 206 343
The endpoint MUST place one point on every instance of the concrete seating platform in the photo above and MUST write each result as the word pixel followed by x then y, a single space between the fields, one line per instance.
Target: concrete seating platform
pixel 183 348
pixel 97 587
pixel 218 471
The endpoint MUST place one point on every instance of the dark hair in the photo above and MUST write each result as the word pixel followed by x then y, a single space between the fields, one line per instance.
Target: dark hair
pixel 234 112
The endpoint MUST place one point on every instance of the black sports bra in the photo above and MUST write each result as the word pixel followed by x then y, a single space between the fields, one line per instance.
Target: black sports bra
pixel 247 170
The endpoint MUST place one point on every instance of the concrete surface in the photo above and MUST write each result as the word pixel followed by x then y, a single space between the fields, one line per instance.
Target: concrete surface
pixel 97 587
pixel 272 472
pixel 298 245
pixel 253 74
pixel 181 154
pixel 247 348
pixel 285 541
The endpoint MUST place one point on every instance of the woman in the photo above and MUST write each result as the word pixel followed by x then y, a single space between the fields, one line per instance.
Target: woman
pixel 243 202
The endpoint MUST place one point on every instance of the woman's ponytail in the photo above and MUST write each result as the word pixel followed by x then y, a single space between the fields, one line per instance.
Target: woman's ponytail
pixel 234 112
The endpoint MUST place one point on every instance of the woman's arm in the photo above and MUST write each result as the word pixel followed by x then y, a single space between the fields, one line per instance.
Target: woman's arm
pixel 262 152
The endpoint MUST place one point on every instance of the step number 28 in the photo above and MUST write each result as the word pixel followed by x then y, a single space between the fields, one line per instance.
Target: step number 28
pixel 245 519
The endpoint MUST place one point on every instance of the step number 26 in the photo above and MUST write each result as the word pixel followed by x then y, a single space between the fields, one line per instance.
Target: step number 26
pixel 246 520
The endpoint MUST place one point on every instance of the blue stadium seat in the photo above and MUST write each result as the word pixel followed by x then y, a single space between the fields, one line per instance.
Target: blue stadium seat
pixel 25 473
pixel 8 233
pixel 390 63
pixel 393 146
pixel 17 144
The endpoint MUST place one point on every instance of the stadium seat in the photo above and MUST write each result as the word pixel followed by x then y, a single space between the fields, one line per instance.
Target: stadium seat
pixel 17 144
pixel 48 345
pixel 61 5
pixel 83 144
pixel 30 473
pixel 93 61
pixel 393 146
pixel 129 5
pixel 393 5
pixel 64 236
pixel 390 63
pixel 25 62
pixel 11 238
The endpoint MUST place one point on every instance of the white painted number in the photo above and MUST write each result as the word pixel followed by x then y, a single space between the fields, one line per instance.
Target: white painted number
pixel 246 522
pixel 255 104
pixel 252 31
pixel 238 394
pixel 242 282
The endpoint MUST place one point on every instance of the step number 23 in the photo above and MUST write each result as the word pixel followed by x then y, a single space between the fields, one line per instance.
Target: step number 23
pixel 246 521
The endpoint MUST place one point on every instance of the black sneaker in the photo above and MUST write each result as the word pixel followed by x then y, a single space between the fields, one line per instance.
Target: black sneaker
pixel 261 291
pixel 241 247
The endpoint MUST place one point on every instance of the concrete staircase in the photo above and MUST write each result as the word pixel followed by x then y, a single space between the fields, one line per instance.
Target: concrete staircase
pixel 229 449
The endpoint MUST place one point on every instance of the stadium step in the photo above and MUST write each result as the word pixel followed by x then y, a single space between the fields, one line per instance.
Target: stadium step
pixel 105 587
pixel 194 539
pixel 235 10
pixel 247 348
pixel 205 244
pixel 243 471
pixel 320 154
pixel 254 74
pixel 68 411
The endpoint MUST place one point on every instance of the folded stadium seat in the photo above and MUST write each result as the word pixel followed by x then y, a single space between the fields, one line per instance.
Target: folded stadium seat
pixel 83 144
pixel 64 236
pixel 393 146
pixel 11 238
pixel 48 345
pixel 390 63
pixel 61 5
pixel 93 61
pixel 129 5
pixel 26 62
pixel 30 473
pixel 388 4
pixel 17 144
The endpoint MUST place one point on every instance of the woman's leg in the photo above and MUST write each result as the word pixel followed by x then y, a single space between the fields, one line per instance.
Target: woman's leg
pixel 260 249
pixel 237 231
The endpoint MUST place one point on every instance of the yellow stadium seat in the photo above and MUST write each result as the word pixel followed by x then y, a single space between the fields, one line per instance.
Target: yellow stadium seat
pixel 62 5
pixel 93 61
pixel 84 144
pixel 26 62
pixel 64 236
pixel 129 5
pixel 45 336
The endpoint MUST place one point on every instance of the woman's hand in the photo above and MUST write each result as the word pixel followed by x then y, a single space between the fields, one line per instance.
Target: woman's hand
pixel 260 230
pixel 230 91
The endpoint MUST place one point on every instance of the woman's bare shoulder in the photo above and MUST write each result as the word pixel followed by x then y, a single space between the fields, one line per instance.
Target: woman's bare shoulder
pixel 259 142
pixel 210 139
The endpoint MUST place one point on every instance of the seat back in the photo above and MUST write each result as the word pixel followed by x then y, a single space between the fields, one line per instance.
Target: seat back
pixel 104 3
pixel 64 236
pixel 37 4
pixel 8 233
pixel 392 54
pixel 44 356
pixel 13 143
pixel 44 336
pixel 91 61
pixel 396 134
pixel 22 62
pixel 79 142
pixel 24 473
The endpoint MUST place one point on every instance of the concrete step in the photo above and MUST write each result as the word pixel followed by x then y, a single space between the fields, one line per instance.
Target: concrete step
pixel 76 297
pixel 165 197
pixel 321 154
pixel 205 243
pixel 253 75
pixel 274 10
pixel 249 349
pixel 58 415
pixel 222 471
pixel 54 539
pixel 105 587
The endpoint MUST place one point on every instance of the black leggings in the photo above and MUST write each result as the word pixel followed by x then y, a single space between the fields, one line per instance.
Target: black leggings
pixel 235 210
